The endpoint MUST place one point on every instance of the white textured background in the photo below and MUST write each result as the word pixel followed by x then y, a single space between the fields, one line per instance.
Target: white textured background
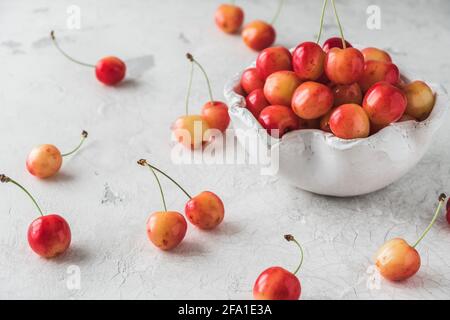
pixel 107 198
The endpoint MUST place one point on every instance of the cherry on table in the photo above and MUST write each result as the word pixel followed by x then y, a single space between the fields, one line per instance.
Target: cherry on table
pixel 205 210
pixel 229 18
pixel 44 161
pixel 48 235
pixel 109 70
pixel 277 283
pixel 165 229
pixel 397 260
pixel 259 35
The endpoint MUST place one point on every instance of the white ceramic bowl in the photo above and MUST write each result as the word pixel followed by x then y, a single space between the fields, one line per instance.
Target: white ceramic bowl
pixel 321 163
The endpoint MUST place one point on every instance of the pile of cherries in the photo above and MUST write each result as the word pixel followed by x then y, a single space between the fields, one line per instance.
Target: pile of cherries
pixel 334 87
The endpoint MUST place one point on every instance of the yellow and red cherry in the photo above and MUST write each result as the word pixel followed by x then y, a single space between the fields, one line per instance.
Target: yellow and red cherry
pixel 277 283
pixel 377 71
pixel 251 80
pixel 384 103
pixel 344 66
pixel 192 131
pixel 308 61
pixel 229 18
pixel 48 235
pixel 259 35
pixel 279 120
pixel 421 99
pixel 273 59
pixel 312 100
pixel 335 42
pixel 165 229
pixel 109 70
pixel 205 211
pixel 344 94
pixel 375 54
pixel 280 87
pixel 215 113
pixel 397 260
pixel 256 102
pixel 44 161
pixel 349 121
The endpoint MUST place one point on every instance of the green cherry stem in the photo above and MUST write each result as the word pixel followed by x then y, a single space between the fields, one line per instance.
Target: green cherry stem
pixel 191 77
pixel 277 14
pixel 5 179
pixel 344 45
pixel 84 135
pixel 144 163
pixel 192 59
pixel 442 198
pixel 52 35
pixel 291 238
pixel 322 18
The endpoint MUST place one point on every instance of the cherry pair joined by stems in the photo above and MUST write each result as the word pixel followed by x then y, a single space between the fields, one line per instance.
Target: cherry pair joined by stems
pixel 109 70
pixel 48 235
pixel 167 229
pixel 259 35
pixel 44 161
pixel 397 260
pixel 277 283
pixel 193 131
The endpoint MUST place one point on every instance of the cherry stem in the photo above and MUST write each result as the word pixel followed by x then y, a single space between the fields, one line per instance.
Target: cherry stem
pixel 5 179
pixel 344 45
pixel 188 95
pixel 84 135
pixel 442 198
pixel 144 163
pixel 52 35
pixel 192 59
pixel 277 14
pixel 291 238
pixel 325 3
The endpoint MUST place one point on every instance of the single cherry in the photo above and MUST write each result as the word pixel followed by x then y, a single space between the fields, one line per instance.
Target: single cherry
pixel 109 70
pixel 344 94
pixel 273 59
pixel 377 71
pixel 397 260
pixel 165 229
pixel 44 161
pixel 277 283
pixel 251 80
pixel 349 121
pixel 375 54
pixel 312 100
pixel 421 99
pixel 48 235
pixel 229 18
pixel 205 211
pixel 280 87
pixel 256 102
pixel 279 120
pixel 384 103
pixel 335 42
pixel 259 35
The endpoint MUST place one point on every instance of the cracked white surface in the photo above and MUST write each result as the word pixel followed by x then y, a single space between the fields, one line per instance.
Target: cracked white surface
pixel 107 198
